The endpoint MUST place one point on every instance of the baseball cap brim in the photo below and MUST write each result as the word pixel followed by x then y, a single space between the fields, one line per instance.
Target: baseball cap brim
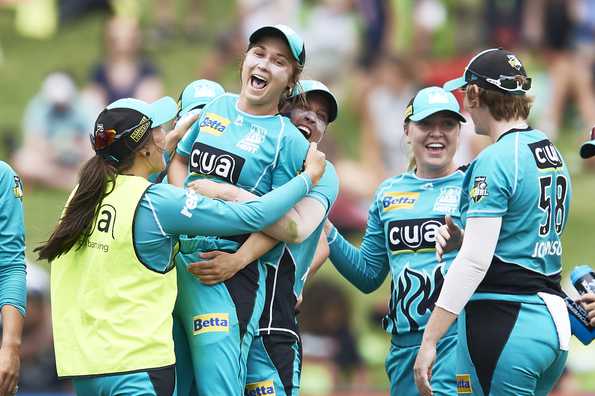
pixel 588 149
pixel 454 84
pixel 294 41
pixel 307 86
pixel 160 111
pixel 423 114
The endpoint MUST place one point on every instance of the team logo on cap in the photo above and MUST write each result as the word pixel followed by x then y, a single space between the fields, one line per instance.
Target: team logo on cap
pixel 140 130
pixel 437 97
pixel 514 62
pixel 480 189
pixel 203 91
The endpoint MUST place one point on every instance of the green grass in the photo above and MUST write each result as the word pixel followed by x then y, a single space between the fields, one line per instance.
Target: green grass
pixel 77 46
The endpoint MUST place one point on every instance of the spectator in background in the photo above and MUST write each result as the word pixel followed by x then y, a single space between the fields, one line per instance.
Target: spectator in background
pixel 383 145
pixel 55 127
pixel 38 368
pixel 327 334
pixel 376 18
pixel 124 71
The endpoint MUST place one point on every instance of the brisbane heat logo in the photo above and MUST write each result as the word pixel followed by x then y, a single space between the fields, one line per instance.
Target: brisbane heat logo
pixel 211 161
pixel 418 235
pixel 417 292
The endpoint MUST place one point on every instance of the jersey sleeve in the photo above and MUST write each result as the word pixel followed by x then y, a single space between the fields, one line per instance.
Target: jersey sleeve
pixel 13 289
pixel 490 184
pixel 181 211
pixel 327 189
pixel 291 155
pixel 184 146
pixel 367 266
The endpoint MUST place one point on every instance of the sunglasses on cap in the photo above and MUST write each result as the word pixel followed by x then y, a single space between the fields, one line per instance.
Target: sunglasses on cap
pixel 105 137
pixel 507 83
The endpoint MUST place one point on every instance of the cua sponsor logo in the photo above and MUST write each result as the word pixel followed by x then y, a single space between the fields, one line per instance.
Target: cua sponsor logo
pixel 211 161
pixel 413 235
pixel 464 384
pixel 210 323
pixel 260 388
pixel 214 124
pixel 399 200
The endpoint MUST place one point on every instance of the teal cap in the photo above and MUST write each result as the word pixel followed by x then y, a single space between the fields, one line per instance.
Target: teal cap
pixel 198 93
pixel 159 111
pixel 588 148
pixel 432 100
pixel 306 86
pixel 294 41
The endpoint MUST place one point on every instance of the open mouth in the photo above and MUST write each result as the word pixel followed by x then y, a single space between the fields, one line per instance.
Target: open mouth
pixel 435 148
pixel 305 131
pixel 258 82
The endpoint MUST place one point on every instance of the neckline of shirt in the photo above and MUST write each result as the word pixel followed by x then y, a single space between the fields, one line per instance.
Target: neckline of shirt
pixel 513 130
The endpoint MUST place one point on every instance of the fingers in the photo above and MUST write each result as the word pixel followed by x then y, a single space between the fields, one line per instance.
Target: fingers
pixel 422 381
pixel 210 255
pixel 439 252
pixel 187 121
pixel 212 280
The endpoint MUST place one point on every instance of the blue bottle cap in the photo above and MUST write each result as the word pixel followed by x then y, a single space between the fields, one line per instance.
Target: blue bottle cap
pixel 578 272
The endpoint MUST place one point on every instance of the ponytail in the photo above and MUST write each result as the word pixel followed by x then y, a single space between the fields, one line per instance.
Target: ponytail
pixel 76 222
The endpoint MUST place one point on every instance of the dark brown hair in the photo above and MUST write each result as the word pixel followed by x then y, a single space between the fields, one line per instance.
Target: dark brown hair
pixel 96 181
pixel 503 107
pixel 293 79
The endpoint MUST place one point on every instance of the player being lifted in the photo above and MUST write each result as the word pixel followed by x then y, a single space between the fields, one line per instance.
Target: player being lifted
pixel 504 284
pixel 274 361
pixel 241 140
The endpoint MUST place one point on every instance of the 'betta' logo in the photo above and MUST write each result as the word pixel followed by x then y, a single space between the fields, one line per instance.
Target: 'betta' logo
pixel 417 293
pixel 261 388
pixel 211 161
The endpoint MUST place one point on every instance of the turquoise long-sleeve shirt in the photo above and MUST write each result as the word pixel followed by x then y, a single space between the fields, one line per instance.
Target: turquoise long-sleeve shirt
pixel 13 287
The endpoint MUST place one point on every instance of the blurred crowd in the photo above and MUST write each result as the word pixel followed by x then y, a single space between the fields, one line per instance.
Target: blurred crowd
pixel 375 54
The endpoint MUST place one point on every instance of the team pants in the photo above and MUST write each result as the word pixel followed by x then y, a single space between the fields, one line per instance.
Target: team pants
pixel 214 325
pixel 507 348
pixel 401 358
pixel 274 366
pixel 152 382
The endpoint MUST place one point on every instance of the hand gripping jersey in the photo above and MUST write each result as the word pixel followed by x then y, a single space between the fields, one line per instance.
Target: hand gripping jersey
pixel 402 223
pixel 523 179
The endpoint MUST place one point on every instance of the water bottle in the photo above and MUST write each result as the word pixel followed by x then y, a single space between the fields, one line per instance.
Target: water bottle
pixel 583 279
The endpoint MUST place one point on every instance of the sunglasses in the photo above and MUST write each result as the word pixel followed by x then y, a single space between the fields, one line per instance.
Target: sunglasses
pixel 507 83
pixel 105 137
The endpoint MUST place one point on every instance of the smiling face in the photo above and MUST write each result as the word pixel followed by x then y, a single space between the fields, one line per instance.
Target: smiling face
pixel 267 72
pixel 312 117
pixel 434 141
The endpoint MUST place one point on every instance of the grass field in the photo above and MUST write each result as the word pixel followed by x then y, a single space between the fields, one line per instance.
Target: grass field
pixel 77 46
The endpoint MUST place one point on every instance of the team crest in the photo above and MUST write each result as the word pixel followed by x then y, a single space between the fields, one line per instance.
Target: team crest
pixel 448 201
pixel 480 189
pixel 514 62
pixel 18 187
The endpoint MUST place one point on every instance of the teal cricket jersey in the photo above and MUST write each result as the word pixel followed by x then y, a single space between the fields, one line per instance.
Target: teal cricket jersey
pixel 400 237
pixel 523 179
pixel 13 288
pixel 256 153
pixel 288 279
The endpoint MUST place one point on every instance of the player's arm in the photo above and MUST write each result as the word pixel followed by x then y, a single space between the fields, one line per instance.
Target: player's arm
pixel 320 256
pixel 13 289
pixel 366 267
pixel 174 136
pixel 186 212
pixel 462 279
pixel 588 302
pixel 178 167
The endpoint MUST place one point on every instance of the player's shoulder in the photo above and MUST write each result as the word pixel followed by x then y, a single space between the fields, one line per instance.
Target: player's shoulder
pixel 397 181
pixel 6 169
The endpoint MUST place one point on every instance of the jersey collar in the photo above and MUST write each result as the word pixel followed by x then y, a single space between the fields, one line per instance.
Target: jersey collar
pixel 513 130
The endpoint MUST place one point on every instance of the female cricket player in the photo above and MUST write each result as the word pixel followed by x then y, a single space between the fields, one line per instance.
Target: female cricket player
pixel 274 360
pixel 241 140
pixel 504 284
pixel 402 223
pixel 113 291
pixel 13 288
